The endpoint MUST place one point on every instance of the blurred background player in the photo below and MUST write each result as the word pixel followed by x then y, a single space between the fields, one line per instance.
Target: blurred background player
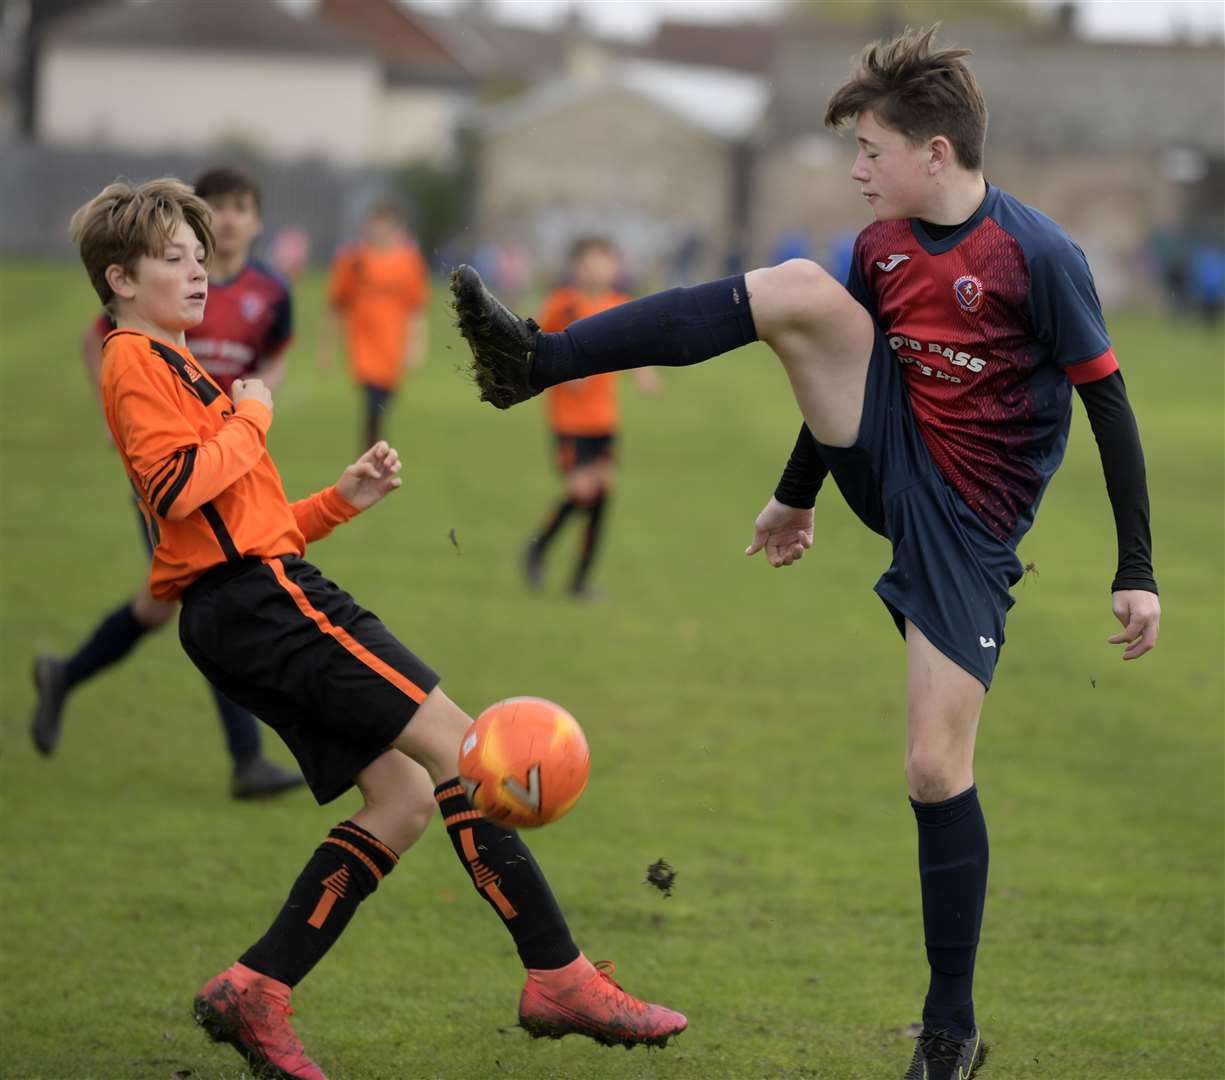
pixel 380 289
pixel 248 322
pixel 583 414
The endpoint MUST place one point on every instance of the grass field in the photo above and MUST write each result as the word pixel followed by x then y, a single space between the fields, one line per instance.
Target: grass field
pixel 746 724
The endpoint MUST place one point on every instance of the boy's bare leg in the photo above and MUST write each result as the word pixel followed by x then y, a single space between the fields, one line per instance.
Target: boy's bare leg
pixel 823 337
pixel 943 705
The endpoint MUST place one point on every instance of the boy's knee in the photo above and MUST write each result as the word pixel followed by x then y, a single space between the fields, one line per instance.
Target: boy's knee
pixel 417 810
pixel 936 773
pixel 794 294
pixel 399 798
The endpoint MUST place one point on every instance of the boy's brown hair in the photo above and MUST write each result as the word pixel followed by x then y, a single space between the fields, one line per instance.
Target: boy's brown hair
pixel 124 221
pixel 228 180
pixel 918 92
pixel 591 242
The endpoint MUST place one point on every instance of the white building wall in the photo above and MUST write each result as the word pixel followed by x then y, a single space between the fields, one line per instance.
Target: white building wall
pixel 415 123
pixel 286 107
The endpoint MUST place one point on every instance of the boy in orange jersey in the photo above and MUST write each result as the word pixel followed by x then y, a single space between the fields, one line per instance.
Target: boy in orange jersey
pixel 354 705
pixel 583 414
pixel 246 327
pixel 379 288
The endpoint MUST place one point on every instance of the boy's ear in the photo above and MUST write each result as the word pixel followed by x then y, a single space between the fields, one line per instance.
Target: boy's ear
pixel 122 285
pixel 940 154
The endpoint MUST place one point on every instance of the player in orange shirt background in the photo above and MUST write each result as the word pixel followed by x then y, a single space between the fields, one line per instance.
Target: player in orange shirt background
pixel 583 414
pixel 379 289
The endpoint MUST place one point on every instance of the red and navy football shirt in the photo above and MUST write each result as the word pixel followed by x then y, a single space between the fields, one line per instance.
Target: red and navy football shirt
pixel 248 320
pixel 992 325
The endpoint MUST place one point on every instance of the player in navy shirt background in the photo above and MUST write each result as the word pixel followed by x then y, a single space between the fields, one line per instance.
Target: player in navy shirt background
pixel 936 390
pixel 247 325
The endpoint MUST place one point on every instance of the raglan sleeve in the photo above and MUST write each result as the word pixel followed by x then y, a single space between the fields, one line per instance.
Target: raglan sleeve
pixel 1067 314
pixel 1068 320
pixel 856 279
pixel 417 282
pixel 341 281
pixel 176 471
pixel 318 514
pixel 280 330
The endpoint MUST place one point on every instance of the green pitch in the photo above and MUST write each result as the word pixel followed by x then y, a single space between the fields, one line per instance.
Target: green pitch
pixel 745 724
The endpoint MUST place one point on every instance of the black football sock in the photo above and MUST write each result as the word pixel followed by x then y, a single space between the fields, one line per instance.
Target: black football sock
pixel 591 540
pixel 556 520
pixel 241 728
pixel 345 869
pixel 953 872
pixel 110 642
pixel 506 875
pixel 672 328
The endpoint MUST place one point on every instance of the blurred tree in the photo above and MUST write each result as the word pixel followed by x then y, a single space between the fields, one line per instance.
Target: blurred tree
pixel 440 196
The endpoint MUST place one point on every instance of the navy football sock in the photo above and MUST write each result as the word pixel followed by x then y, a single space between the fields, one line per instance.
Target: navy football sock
pixel 953 872
pixel 110 642
pixel 673 328
pixel 241 728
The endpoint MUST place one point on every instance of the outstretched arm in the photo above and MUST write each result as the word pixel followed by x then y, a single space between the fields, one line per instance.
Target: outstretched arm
pixel 1134 589
pixel 784 527
pixel 361 485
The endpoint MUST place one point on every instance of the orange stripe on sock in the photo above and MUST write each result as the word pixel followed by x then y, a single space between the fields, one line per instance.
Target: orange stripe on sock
pixel 322 909
pixel 486 879
pixel 370 865
pixel 498 897
pixel 449 793
pixel 334 888
pixel 347 640
pixel 370 838
pixel 465 815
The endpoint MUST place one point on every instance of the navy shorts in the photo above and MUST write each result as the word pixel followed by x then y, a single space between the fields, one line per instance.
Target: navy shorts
pixel 950 575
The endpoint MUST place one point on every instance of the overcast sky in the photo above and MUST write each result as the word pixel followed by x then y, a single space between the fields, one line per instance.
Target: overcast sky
pixel 1143 19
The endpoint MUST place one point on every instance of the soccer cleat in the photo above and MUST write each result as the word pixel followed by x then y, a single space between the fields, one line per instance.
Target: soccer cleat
pixel 50 685
pixel 251 1012
pixel 584 999
pixel 502 344
pixel 940 1055
pixel 255 776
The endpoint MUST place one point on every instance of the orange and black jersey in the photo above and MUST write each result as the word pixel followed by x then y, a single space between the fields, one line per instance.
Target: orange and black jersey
pixel 206 483
pixel 585 406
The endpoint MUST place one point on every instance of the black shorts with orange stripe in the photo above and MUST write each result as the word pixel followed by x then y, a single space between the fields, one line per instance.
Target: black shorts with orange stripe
pixel 280 639
pixel 574 451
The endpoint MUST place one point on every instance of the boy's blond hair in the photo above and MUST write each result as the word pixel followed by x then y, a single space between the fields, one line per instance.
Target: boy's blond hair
pixel 125 221
pixel 919 91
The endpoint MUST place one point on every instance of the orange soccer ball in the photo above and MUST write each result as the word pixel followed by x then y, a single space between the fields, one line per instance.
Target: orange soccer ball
pixel 524 762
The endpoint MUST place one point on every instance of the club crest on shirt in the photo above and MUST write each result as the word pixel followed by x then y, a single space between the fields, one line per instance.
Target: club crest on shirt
pixel 969 291
pixel 251 305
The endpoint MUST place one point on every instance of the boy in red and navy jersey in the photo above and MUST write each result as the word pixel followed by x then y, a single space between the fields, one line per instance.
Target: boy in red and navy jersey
pixel 247 325
pixel 356 707
pixel 936 389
